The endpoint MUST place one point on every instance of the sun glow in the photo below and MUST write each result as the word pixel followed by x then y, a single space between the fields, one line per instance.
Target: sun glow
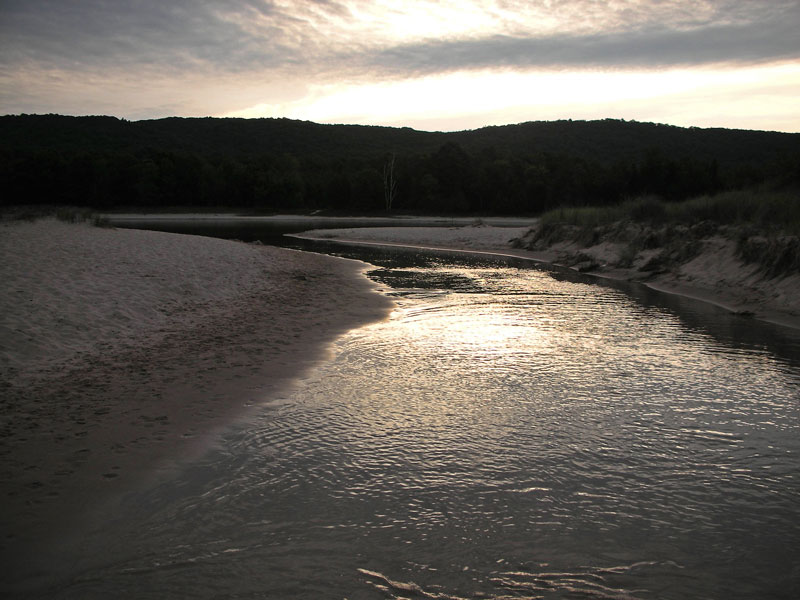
pixel 382 21
pixel 491 98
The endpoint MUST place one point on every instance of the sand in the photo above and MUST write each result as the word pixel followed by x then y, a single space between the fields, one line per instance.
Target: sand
pixel 716 275
pixel 478 237
pixel 123 352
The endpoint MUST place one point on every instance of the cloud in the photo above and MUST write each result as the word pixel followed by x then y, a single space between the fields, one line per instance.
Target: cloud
pixel 321 36
pixel 651 47
pixel 96 34
pixel 196 57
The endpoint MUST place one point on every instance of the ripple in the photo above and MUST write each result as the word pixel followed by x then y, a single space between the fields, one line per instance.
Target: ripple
pixel 492 439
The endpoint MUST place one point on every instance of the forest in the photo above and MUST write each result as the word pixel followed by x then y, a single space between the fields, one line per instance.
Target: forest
pixel 280 165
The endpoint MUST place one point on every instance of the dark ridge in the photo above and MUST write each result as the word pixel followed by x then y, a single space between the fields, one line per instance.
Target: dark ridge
pixel 607 141
pixel 270 165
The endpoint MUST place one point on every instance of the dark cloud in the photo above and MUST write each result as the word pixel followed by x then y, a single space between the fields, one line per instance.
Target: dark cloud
pixel 647 48
pixel 236 36
pixel 179 34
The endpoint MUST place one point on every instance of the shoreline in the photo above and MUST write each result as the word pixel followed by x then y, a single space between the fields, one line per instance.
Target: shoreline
pixel 127 351
pixel 497 241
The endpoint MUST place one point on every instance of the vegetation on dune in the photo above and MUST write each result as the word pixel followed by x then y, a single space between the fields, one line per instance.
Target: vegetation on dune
pixel 762 211
pixel 764 225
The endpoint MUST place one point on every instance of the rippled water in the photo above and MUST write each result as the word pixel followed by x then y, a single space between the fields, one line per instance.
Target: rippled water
pixel 506 434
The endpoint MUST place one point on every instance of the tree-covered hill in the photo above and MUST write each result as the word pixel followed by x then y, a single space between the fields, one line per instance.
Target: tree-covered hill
pixel 281 164
pixel 210 136
pixel 612 140
pixel 605 141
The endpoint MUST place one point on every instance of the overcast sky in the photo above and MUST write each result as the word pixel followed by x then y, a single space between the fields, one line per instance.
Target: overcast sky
pixel 437 65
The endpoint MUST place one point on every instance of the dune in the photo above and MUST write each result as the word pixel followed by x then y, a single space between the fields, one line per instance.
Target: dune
pixel 123 351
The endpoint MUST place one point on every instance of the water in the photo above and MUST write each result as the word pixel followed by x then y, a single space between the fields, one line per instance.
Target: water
pixel 508 433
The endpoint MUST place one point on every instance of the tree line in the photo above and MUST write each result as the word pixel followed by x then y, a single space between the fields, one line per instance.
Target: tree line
pixel 108 164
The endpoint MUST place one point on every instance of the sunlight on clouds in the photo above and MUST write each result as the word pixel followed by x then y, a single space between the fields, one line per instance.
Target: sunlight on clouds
pixel 384 21
pixel 422 19
pixel 456 100
pixel 381 21
pixel 378 23
pixel 374 23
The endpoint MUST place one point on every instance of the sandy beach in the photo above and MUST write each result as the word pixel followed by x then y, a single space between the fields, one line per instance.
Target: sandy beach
pixel 715 275
pixel 124 351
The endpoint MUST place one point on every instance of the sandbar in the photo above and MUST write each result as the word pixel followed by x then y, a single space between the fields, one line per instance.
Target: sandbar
pixel 123 352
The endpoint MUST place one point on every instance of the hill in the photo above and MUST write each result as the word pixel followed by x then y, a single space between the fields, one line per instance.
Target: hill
pixel 607 140
pixel 282 164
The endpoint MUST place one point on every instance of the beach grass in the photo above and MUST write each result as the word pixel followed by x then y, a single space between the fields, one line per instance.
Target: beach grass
pixel 764 225
pixel 764 211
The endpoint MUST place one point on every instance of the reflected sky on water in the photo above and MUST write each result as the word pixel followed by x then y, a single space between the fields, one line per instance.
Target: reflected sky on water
pixel 509 432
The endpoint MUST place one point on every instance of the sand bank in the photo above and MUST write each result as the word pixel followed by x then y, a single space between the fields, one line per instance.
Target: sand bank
pixel 121 351
pixel 715 274
pixel 478 237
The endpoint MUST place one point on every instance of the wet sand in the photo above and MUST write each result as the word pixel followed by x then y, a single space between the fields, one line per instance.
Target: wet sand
pixel 123 352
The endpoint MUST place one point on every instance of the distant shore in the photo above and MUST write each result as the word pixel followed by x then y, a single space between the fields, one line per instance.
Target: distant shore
pixel 714 275
pixel 123 351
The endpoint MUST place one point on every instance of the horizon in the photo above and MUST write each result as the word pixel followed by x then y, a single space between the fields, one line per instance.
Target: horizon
pixel 560 120
pixel 433 66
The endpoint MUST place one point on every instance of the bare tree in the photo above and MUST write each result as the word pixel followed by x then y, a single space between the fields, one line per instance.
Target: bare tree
pixel 389 182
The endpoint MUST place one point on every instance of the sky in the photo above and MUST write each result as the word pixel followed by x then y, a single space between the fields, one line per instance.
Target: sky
pixel 434 65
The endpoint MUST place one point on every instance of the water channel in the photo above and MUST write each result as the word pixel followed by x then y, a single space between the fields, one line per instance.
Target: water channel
pixel 511 431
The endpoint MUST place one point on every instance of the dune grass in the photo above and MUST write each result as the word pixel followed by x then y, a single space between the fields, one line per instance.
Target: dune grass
pixel 764 224
pixel 763 210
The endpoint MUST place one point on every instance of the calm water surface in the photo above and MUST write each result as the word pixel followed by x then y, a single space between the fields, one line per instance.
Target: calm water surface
pixel 507 433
